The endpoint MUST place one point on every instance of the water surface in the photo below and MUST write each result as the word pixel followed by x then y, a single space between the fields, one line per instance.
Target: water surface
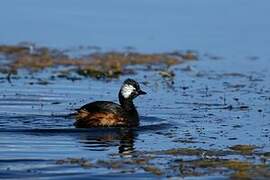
pixel 211 104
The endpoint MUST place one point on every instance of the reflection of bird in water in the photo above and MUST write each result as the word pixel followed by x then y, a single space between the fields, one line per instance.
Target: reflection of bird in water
pixel 126 145
pixel 106 138
pixel 105 113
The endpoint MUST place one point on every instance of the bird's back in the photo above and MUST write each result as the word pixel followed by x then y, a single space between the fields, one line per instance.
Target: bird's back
pixel 101 113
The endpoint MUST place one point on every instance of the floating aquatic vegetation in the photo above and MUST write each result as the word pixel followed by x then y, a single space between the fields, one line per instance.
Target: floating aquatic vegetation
pixel 197 162
pixel 98 65
pixel 9 50
pixel 243 148
pixel 233 168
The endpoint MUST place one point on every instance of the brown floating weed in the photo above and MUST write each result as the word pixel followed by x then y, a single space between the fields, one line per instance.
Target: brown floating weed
pixel 9 50
pixel 243 148
pixel 98 65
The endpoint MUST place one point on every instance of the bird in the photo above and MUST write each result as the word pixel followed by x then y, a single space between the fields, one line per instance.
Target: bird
pixel 110 114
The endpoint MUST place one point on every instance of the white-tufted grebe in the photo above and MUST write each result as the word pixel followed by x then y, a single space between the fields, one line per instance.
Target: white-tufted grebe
pixel 110 114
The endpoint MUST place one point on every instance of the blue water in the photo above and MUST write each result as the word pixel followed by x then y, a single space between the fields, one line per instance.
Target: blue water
pixel 228 27
pixel 35 127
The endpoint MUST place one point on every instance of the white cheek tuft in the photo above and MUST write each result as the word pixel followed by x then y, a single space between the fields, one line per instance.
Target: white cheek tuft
pixel 127 90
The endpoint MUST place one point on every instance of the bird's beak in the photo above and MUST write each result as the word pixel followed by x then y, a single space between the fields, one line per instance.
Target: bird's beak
pixel 140 92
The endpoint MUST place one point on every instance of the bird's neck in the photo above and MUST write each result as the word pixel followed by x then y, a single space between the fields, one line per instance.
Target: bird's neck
pixel 130 109
pixel 127 104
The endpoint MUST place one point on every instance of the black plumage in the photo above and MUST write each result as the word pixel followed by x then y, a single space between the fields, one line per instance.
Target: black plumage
pixel 106 113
